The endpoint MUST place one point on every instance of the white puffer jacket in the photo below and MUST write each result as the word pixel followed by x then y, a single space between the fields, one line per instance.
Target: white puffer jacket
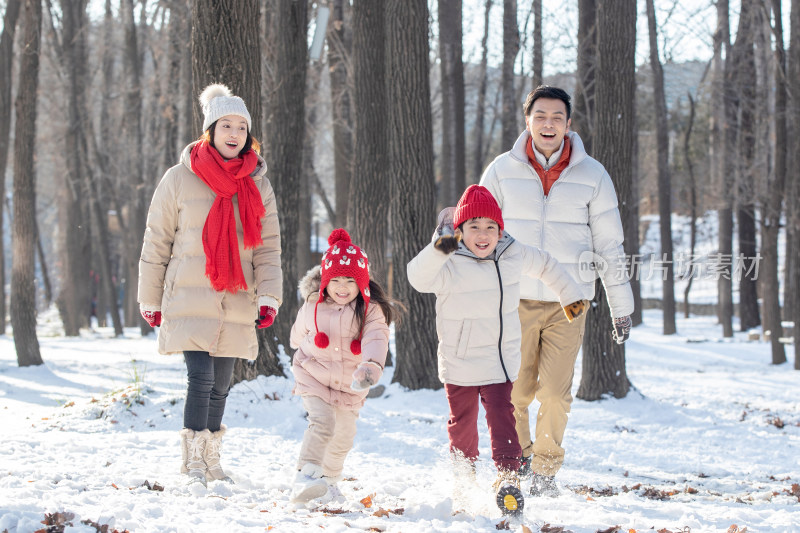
pixel 477 306
pixel 578 222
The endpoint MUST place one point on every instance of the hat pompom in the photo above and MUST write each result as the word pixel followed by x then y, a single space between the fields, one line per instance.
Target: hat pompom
pixel 214 90
pixel 338 235
pixel 321 340
pixel 355 347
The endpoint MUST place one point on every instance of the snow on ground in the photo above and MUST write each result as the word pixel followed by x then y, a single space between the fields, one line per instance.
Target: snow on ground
pixel 709 438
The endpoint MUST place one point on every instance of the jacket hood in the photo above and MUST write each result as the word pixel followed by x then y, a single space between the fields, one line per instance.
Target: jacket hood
pixel 504 242
pixel 259 172
pixel 310 283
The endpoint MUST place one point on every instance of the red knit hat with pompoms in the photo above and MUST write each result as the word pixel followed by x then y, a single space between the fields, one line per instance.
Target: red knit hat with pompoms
pixel 343 259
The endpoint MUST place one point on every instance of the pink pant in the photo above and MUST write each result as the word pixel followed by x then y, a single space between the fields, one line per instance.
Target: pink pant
pixel 463 424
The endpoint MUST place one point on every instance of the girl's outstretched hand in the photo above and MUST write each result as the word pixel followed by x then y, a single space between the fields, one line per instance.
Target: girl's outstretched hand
pixel 366 375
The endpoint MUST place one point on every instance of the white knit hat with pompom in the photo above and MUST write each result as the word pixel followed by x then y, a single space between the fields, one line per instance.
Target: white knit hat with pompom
pixel 218 101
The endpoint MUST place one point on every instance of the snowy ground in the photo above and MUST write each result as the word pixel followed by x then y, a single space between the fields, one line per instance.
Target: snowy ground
pixel 709 439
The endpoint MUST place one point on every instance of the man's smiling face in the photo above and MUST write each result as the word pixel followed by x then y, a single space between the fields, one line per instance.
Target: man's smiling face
pixel 548 123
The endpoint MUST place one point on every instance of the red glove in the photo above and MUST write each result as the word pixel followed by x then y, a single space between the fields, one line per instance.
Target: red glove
pixel 266 316
pixel 151 317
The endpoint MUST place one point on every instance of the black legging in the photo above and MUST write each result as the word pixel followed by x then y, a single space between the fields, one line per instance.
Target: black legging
pixel 209 379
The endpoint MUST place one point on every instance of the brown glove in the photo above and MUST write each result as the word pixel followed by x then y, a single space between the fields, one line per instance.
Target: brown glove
pixel 447 240
pixel 447 243
pixel 574 310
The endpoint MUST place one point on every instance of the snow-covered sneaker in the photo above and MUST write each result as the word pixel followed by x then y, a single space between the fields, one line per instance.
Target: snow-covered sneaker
pixel 524 471
pixel 508 495
pixel 544 486
pixel 308 484
pixel 334 493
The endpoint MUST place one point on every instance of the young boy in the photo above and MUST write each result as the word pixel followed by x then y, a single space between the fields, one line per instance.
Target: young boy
pixel 475 272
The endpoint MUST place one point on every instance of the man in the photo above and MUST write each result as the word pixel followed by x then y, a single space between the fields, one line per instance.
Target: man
pixel 554 196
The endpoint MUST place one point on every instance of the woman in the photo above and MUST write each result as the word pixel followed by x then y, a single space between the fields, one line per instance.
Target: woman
pixel 210 265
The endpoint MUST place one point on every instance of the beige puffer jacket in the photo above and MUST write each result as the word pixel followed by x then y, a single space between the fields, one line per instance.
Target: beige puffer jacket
pixel 477 306
pixel 328 372
pixel 172 268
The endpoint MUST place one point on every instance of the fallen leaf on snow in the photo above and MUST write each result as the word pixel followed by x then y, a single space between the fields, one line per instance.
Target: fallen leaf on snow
pixel 503 524
pixel 367 501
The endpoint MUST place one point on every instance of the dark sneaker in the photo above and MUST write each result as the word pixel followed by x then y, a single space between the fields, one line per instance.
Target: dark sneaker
pixel 524 471
pixel 544 486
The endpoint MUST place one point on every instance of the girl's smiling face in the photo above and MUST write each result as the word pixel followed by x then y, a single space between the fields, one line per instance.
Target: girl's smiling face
pixel 230 135
pixel 480 235
pixel 343 290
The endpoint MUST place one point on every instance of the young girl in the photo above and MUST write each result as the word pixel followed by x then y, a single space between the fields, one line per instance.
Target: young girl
pixel 475 272
pixel 341 336
pixel 211 264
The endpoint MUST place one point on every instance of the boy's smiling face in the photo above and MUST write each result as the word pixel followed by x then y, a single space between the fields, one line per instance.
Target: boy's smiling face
pixel 480 235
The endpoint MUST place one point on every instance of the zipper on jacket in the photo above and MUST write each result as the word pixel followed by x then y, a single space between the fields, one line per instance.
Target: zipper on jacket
pixel 500 340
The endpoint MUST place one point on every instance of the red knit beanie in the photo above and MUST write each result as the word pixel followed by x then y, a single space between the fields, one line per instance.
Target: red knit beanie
pixel 476 202
pixel 343 259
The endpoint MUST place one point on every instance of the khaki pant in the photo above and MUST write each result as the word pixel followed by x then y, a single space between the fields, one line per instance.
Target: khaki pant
pixel 329 436
pixel 550 346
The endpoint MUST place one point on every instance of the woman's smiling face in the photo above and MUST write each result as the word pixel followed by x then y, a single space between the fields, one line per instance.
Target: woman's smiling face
pixel 230 135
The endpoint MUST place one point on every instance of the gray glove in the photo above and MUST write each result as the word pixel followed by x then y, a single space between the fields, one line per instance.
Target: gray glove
pixel 622 329
pixel 446 240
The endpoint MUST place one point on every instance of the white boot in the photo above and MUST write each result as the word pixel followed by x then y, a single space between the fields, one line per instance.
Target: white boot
pixel 211 456
pixel 308 484
pixel 193 444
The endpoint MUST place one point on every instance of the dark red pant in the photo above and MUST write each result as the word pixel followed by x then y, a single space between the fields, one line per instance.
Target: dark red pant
pixel 462 427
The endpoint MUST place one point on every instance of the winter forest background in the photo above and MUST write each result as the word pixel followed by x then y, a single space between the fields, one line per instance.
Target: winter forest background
pixel 374 114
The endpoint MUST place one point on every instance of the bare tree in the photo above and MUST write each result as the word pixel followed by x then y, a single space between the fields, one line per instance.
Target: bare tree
pixel 583 110
pixel 453 179
pixel 339 44
pixel 537 65
pixel 744 76
pixel 6 55
pixel 23 290
pixel 288 30
pixel 411 160
pixel 604 370
pixel 369 203
pixel 726 182
pixel 693 208
pixel 773 198
pixel 511 108
pixel 793 200
pixel 480 110
pixel 664 185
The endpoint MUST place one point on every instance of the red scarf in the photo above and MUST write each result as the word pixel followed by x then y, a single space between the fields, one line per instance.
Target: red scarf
pixel 220 242
pixel 550 175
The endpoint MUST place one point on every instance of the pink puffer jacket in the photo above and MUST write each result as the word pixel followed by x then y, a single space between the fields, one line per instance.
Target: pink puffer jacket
pixel 328 372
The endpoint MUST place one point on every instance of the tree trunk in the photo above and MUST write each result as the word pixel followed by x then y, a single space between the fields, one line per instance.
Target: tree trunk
pixel 75 58
pixel 512 125
pixel 6 55
pixel 288 29
pixel 664 185
pixel 76 246
pixel 583 109
pixel 369 203
pixel 413 209
pixel 692 203
pixel 339 41
pixel 309 174
pixel 538 52
pixel 453 179
pixel 604 370
pixel 725 213
pixel 793 200
pixel 23 290
pixel 480 110
pixel 745 76
pixel 773 198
